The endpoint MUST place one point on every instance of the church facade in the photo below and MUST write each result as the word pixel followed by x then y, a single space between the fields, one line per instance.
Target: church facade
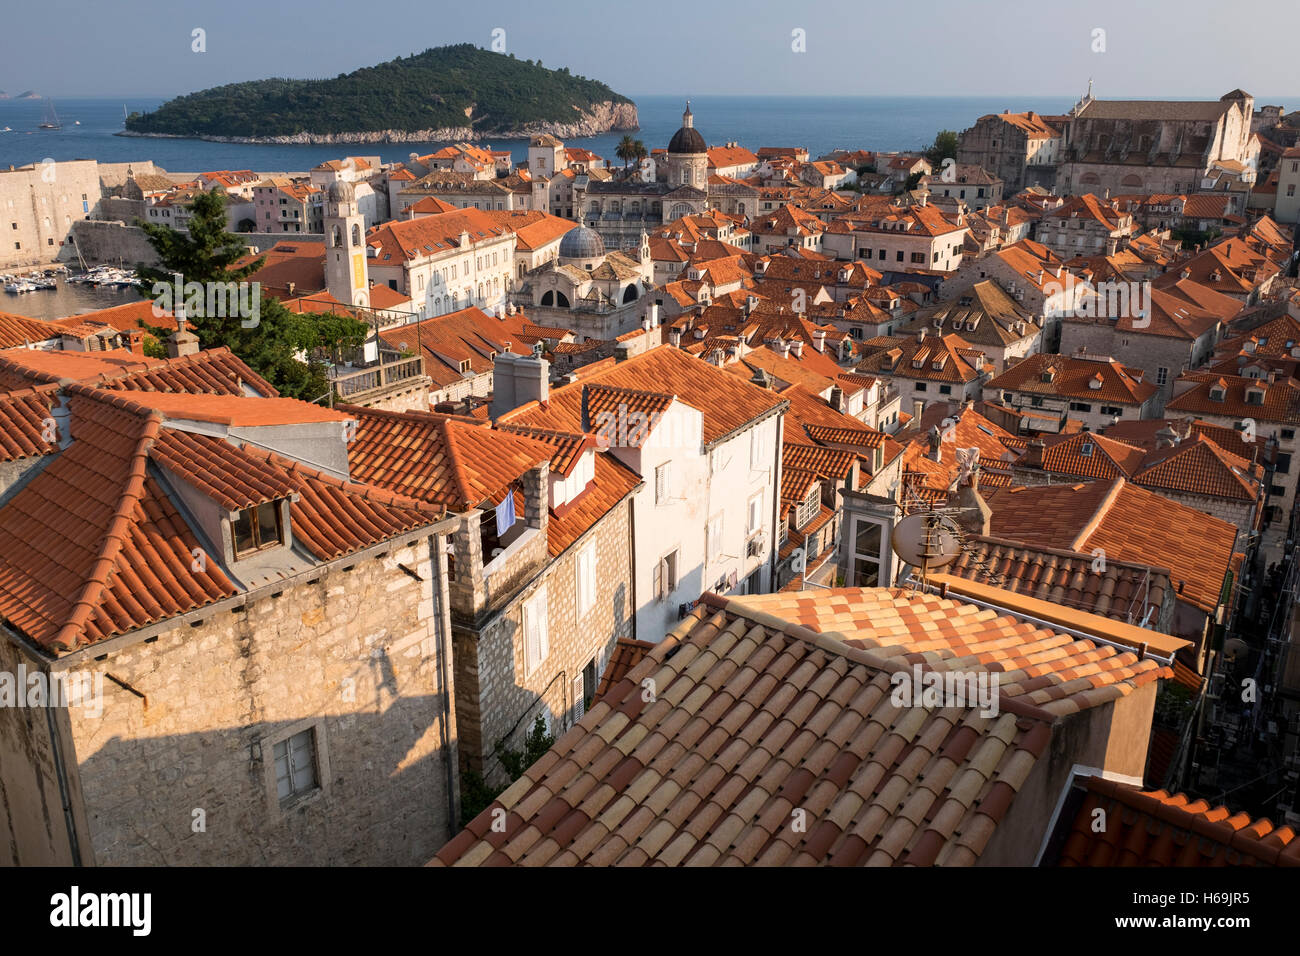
pixel 1156 146
pixel 621 210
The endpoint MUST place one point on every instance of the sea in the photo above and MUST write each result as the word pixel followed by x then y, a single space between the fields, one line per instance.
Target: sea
pixel 818 123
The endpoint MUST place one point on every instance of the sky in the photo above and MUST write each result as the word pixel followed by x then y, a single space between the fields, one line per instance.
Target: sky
pixel 1129 48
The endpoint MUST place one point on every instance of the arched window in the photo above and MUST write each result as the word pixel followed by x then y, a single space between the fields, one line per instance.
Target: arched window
pixel 561 300
pixel 356 234
pixel 1090 179
pixel 1132 181
pixel 630 293
pixel 548 298
pixel 338 237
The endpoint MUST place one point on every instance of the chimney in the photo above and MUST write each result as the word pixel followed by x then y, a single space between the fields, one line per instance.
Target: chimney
pixel 503 384
pixel 837 398
pixel 918 406
pixel 975 516
pixel 796 348
pixel 782 348
pixel 1033 457
pixel 181 342
pixel 62 416
pixel 675 337
pixel 133 340
pixel 920 335
pixel 1111 245
pixel 819 340
pixel 935 438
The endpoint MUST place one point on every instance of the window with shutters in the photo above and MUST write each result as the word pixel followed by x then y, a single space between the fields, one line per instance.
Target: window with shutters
pixel 661 483
pixel 713 538
pixel 665 576
pixel 579 698
pixel 586 576
pixel 536 638
pixel 809 507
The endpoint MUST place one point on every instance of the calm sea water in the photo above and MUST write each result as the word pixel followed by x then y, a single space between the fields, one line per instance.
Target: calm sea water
pixel 818 123
pixel 70 298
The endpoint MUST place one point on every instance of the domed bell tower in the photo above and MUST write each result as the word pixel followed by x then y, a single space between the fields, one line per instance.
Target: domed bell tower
pixel 346 275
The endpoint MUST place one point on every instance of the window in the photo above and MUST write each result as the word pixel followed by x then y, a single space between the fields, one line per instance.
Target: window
pixel 536 639
pixel 295 766
pixel 808 508
pixel 755 512
pixel 661 483
pixel 1114 410
pixel 1288 433
pixel 665 576
pixel 945 389
pixel 586 578
pixel 257 528
pixel 1162 375
pixel 713 538
pixel 757 450
pixel 920 386
pixel 866 567
pixel 899 256
pixel 919 257
pixel 1283 464
pixel 1080 407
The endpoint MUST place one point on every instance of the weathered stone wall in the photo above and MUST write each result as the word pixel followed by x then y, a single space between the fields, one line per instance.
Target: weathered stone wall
pixel 497 700
pixel 354 653
pixel 111 241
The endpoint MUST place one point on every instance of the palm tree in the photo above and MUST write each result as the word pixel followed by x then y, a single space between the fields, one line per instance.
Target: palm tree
pixel 630 150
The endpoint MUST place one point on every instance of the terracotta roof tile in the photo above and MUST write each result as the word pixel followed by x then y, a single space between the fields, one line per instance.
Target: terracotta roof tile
pixel 1153 828
pixel 754 717
pixel 439 458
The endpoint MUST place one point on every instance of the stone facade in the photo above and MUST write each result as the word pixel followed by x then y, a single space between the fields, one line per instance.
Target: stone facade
pixel 179 767
pixel 38 206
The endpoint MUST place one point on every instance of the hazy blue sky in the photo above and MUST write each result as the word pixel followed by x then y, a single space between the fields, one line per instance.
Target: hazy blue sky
pixel 1187 48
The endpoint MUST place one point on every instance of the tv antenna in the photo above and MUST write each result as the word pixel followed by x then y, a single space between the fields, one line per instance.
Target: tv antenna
pixel 927 540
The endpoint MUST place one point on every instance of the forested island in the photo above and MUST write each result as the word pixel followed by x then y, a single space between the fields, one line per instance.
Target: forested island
pixel 450 92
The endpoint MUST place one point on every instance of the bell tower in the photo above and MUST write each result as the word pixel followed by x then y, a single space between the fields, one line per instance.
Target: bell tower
pixel 346 274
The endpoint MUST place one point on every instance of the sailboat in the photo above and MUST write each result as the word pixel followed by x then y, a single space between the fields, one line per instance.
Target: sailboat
pixel 51 119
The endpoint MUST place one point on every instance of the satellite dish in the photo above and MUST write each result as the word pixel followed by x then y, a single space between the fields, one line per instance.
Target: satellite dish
pixel 927 541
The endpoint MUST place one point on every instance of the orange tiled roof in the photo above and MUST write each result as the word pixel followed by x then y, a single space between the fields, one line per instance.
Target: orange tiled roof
pixel 752 716
pixel 1281 399
pixel 727 404
pixel 1128 523
pixel 439 458
pixel 24 417
pixel 1153 828
pixel 1124 591
pixel 1099 379
pixel 213 371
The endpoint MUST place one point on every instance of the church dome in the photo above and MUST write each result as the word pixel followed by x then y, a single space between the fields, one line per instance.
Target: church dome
pixel 582 243
pixel 340 191
pixel 688 138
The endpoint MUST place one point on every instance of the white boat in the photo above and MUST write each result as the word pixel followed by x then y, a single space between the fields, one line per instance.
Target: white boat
pixel 17 288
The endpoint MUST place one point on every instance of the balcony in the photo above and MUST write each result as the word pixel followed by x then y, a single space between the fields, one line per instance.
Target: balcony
pixel 364 383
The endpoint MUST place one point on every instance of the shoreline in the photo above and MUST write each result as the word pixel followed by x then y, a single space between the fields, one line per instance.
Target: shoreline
pixel 607 117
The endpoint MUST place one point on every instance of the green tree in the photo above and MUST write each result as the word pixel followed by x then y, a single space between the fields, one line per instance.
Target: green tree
pixel 630 150
pixel 943 147
pixel 476 795
pixel 207 254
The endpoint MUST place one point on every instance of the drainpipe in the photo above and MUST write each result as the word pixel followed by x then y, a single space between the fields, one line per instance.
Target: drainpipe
pixel 438 571
pixel 61 773
pixel 774 560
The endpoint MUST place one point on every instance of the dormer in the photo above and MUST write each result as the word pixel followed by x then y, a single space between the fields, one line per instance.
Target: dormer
pixel 1254 395
pixel 1217 392
pixel 1096 382
pixel 1049 375
pixel 565 489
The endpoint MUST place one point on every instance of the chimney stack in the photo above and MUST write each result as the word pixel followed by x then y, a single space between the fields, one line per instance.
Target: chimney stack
pixel 819 340
pixel 935 438
pixel 181 343
pixel 918 406
pixel 975 516
pixel 1034 453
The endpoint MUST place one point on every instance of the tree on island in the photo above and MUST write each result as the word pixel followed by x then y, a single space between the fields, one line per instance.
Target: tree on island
pixel 630 150
pixel 208 254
